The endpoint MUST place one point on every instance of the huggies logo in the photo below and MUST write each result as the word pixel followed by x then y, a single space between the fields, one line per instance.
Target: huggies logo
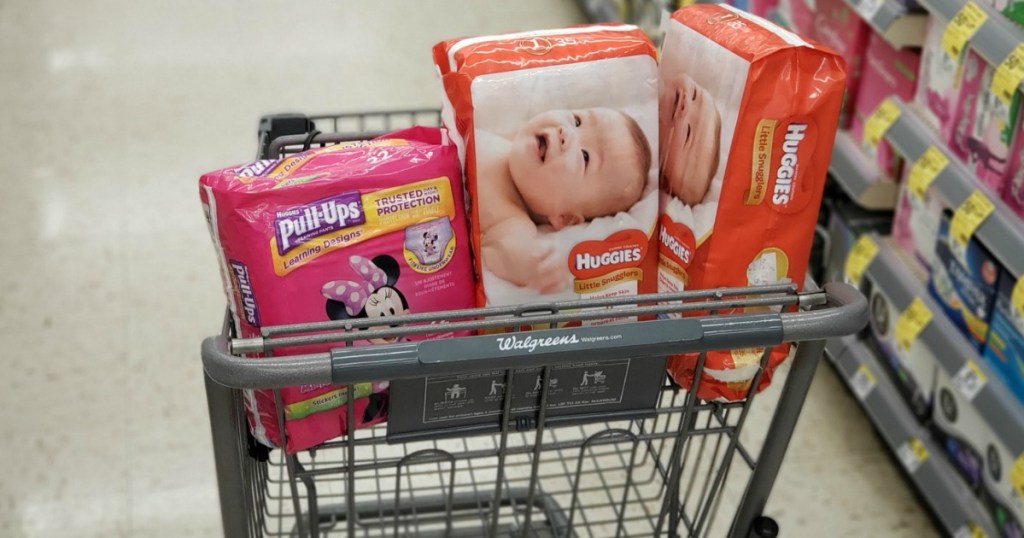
pixel 788 190
pixel 674 246
pixel 620 250
pixel 530 344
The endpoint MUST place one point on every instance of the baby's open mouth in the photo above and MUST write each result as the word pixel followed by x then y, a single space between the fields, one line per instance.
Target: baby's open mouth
pixel 542 147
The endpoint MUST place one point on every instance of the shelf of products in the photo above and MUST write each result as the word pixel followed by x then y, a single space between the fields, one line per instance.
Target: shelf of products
pixel 995 39
pixel 859 176
pixel 1002 232
pixel 953 505
pixel 888 271
pixel 892 20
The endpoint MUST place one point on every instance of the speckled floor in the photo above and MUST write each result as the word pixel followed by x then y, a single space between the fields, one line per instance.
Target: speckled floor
pixel 109 111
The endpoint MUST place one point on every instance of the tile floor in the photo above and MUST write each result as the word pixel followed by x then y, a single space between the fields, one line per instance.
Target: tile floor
pixel 109 111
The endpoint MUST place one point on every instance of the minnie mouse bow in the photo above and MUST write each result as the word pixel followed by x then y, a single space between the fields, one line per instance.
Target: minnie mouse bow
pixel 354 294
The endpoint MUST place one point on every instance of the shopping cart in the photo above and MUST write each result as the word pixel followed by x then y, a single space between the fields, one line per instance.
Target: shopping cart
pixel 661 471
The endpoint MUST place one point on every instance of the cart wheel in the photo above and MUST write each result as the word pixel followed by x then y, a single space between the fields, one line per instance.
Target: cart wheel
pixel 764 527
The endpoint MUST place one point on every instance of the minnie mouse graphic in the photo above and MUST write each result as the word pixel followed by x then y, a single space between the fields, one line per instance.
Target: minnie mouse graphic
pixel 374 295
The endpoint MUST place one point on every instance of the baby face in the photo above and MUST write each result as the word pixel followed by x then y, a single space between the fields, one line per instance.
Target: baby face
pixel 689 130
pixel 574 165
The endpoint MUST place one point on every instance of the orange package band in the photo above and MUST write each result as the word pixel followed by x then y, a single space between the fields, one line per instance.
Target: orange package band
pixel 557 132
pixel 747 118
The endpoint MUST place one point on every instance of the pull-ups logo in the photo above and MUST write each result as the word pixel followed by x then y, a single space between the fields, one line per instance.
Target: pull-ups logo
pixel 538 46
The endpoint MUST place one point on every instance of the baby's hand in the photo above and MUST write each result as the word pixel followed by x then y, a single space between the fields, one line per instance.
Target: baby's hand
pixel 552 273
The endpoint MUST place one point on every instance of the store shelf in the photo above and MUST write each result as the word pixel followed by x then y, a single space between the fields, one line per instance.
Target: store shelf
pixel 1001 410
pixel 996 37
pixel 1003 231
pixel 893 21
pixel 953 505
pixel 859 176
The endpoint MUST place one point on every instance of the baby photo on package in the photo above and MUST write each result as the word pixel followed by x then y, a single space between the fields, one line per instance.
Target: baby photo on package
pixel 747 118
pixel 558 134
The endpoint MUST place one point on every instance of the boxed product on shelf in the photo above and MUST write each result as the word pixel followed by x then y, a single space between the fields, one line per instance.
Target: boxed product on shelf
pixel 740 192
pixel 978 454
pixel 916 224
pixel 557 131
pixel 913 369
pixel 797 15
pixel 352 231
pixel 984 125
pixel 938 81
pixel 964 283
pixel 838 26
pixel 887 72
pixel 848 221
pixel 1004 350
pixel 1013 190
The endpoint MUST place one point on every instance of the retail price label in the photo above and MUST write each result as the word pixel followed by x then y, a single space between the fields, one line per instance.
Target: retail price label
pixel 911 322
pixel 1009 74
pixel 869 8
pixel 1017 475
pixel 912 453
pixel 863 381
pixel 880 121
pixel 926 168
pixel 969 380
pixel 970 530
pixel 859 258
pixel 1017 297
pixel 961 28
pixel 966 220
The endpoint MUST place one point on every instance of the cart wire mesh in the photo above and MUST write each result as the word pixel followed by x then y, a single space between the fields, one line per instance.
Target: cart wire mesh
pixel 666 472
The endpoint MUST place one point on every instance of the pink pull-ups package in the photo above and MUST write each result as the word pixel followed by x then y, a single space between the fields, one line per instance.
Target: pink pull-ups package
pixel 369 229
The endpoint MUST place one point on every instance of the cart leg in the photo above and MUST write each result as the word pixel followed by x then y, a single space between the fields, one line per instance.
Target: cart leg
pixel 787 412
pixel 226 425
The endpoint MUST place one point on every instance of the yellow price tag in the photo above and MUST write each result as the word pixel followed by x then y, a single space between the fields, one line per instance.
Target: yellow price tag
pixel 963 26
pixel 970 530
pixel 1017 475
pixel 860 256
pixel 971 213
pixel 1009 75
pixel 1017 296
pixel 928 166
pixel 879 122
pixel 913 453
pixel 911 322
pixel 920 451
pixel 863 381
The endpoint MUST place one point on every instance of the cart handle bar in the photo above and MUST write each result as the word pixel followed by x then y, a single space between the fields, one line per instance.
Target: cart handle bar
pixel 845 312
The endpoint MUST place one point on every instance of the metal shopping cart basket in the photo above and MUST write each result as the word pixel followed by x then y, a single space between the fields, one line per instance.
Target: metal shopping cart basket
pixel 539 471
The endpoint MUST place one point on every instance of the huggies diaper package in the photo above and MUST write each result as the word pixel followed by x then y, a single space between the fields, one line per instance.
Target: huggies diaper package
pixel 740 191
pixel 887 72
pixel 938 81
pixel 558 133
pixel 358 230
pixel 985 124
pixel 1004 350
pixel 964 283
pixel 839 27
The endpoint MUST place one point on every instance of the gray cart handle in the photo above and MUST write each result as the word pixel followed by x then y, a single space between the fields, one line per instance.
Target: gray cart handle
pixel 844 312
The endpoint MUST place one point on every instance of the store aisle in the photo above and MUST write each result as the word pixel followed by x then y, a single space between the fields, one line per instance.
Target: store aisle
pixel 110 111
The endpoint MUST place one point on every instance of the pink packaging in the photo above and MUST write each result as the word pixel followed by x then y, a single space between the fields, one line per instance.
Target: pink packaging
pixel 984 125
pixel 938 82
pixel 356 230
pixel 840 28
pixel 1013 191
pixel 915 226
pixel 887 72
pixel 798 15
